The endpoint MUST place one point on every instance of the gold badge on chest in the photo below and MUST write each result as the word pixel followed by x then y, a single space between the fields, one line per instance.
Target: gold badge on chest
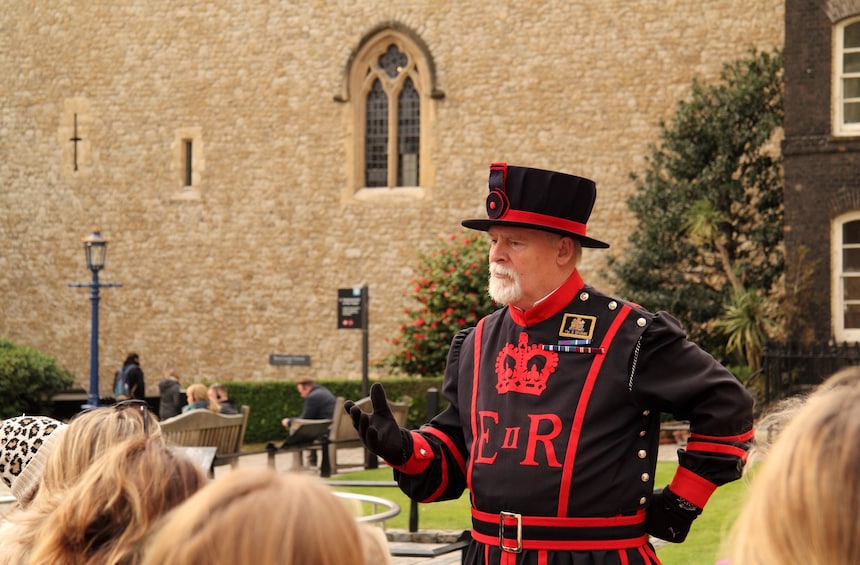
pixel 577 326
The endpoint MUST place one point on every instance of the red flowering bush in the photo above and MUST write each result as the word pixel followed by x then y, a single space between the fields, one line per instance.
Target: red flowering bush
pixel 451 293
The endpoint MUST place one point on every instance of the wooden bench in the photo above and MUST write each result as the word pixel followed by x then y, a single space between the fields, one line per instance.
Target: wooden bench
pixel 678 431
pixel 204 428
pixel 304 434
pixel 342 433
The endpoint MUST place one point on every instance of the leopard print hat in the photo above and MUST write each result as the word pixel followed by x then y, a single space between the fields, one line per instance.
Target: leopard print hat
pixel 25 442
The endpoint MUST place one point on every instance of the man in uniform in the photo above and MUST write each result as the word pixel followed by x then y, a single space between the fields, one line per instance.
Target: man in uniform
pixel 555 399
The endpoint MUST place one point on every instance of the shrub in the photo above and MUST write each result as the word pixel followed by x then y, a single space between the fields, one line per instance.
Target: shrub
pixel 28 380
pixel 451 293
pixel 272 400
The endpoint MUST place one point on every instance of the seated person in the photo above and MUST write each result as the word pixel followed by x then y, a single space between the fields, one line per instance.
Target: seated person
pixel 318 405
pixel 105 515
pixel 198 398
pixel 218 395
pixel 305 523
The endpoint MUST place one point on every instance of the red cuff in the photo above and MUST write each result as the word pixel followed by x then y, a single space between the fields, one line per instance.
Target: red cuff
pixel 692 487
pixel 420 458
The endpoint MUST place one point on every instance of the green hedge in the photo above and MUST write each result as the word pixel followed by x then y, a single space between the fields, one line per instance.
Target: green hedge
pixel 28 380
pixel 273 400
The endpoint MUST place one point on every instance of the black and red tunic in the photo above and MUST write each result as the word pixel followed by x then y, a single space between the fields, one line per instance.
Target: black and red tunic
pixel 553 425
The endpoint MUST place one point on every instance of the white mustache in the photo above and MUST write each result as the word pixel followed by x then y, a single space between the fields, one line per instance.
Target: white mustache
pixel 499 270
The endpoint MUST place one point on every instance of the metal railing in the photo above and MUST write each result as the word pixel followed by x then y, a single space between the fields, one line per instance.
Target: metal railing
pixel 393 509
pixel 789 369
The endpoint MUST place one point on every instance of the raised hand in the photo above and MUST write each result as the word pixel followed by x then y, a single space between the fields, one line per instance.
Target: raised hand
pixel 378 430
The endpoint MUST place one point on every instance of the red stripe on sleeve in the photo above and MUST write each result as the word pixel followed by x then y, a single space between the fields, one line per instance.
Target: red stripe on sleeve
pixel 744 437
pixel 420 457
pixel 455 453
pixel 692 487
pixel 707 447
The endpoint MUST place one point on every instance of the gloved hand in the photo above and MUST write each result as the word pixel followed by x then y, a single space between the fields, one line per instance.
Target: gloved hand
pixel 669 516
pixel 378 430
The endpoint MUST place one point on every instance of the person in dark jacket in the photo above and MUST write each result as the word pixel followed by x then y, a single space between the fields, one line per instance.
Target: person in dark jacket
pixel 133 375
pixel 318 405
pixel 319 401
pixel 218 394
pixel 172 397
pixel 555 399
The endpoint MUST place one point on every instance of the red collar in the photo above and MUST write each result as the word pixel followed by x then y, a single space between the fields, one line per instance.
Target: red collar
pixel 551 305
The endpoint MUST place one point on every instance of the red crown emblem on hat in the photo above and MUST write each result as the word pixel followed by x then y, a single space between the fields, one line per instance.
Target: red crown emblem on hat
pixel 524 368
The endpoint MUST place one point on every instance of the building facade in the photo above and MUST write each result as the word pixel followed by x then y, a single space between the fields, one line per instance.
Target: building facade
pixel 247 159
pixel 821 152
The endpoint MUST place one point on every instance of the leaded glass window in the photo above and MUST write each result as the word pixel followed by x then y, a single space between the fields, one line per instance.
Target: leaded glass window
pixel 392 134
pixel 408 135
pixel 376 137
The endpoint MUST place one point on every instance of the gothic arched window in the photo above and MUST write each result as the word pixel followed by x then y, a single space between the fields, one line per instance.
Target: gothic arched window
pixel 390 93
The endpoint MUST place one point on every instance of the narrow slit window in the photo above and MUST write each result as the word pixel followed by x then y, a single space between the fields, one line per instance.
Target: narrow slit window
pixel 189 153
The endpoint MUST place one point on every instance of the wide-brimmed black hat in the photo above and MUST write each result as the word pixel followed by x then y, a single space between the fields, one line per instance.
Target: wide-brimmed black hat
pixel 539 199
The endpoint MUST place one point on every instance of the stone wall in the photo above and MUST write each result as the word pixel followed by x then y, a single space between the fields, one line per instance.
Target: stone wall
pixel 248 262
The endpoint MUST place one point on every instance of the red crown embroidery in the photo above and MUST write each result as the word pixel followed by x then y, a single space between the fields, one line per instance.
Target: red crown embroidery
pixel 524 368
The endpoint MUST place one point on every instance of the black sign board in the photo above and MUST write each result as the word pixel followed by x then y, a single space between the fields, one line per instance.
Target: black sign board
pixel 351 307
pixel 278 359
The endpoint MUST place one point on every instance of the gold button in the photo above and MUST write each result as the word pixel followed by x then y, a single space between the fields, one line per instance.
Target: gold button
pixel 422 451
pixel 642 433
pixel 641 322
pixel 643 500
pixel 642 454
pixel 583 296
pixel 613 305
pixel 645 477
pixel 646 412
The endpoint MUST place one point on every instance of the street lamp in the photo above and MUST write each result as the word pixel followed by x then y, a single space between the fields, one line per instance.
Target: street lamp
pixel 95 247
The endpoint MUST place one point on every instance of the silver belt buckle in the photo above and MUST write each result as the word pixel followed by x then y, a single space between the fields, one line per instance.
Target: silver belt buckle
pixel 518 548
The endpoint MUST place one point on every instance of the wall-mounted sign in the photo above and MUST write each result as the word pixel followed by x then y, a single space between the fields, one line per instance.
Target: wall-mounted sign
pixel 281 359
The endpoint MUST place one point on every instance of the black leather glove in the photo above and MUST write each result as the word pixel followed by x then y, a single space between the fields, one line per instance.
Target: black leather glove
pixel 669 516
pixel 378 431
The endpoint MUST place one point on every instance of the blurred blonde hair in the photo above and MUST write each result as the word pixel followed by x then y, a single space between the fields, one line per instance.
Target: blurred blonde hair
pixel 110 509
pixel 376 550
pixel 804 500
pixel 305 523
pixel 87 437
pixel 92 433
pixel 197 392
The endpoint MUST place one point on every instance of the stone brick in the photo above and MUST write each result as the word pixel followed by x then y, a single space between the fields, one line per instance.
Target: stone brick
pixel 249 262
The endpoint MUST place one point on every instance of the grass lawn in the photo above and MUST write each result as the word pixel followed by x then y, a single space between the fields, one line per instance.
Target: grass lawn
pixel 701 548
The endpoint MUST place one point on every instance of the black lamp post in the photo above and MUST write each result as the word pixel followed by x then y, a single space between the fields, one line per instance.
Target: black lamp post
pixel 95 246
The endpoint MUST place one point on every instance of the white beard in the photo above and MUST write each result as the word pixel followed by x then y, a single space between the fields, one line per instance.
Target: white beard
pixel 505 289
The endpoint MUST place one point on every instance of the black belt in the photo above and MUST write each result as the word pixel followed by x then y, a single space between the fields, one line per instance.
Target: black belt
pixel 514 532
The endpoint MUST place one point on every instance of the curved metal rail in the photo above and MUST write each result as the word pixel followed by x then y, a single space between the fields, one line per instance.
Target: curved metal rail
pixel 393 509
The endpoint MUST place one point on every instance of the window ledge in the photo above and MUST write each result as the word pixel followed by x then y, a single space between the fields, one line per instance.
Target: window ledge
pixel 188 193
pixel 391 193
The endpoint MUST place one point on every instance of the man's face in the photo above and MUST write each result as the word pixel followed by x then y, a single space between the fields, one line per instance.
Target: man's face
pixel 303 390
pixel 522 265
